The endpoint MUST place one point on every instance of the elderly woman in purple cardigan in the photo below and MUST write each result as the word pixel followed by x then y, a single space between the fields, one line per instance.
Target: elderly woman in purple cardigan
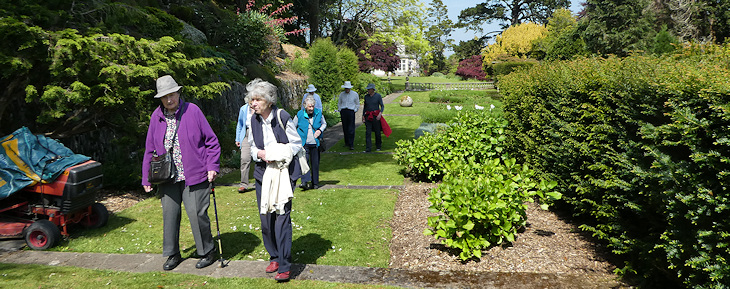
pixel 195 150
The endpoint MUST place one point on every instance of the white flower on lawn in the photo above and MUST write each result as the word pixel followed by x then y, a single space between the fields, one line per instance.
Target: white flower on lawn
pixel 308 217
pixel 478 107
pixel 491 107
pixel 448 107
pixel 458 107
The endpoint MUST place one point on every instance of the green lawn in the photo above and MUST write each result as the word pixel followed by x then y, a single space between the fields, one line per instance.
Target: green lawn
pixel 399 82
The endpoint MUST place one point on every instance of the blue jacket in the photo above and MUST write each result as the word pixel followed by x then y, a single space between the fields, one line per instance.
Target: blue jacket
pixel 241 125
pixel 303 125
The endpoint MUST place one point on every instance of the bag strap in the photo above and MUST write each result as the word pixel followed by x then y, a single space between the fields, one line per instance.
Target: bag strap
pixel 177 126
pixel 278 116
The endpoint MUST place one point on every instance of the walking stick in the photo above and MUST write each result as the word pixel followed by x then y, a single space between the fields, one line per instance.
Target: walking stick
pixel 217 227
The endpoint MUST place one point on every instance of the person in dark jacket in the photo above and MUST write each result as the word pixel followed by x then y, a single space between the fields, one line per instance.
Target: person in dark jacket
pixel 196 154
pixel 371 114
pixel 271 126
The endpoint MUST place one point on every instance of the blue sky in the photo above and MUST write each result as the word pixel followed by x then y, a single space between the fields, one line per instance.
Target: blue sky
pixel 455 7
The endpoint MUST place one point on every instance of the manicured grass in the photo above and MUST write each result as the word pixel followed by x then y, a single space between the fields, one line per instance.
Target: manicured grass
pixel 402 126
pixel 437 111
pixel 348 220
pixel 399 82
pixel 18 276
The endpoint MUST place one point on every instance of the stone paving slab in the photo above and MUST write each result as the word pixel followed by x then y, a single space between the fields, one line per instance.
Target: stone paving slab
pixel 138 263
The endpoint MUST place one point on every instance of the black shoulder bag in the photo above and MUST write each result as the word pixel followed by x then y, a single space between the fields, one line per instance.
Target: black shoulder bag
pixel 162 168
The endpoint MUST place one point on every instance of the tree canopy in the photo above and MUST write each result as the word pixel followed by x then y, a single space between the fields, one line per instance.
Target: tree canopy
pixel 508 13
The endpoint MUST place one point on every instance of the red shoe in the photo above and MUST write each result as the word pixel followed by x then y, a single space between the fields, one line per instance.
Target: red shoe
pixel 242 189
pixel 273 266
pixel 282 276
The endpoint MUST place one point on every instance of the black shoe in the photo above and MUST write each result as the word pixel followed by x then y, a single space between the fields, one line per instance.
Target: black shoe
pixel 314 187
pixel 206 260
pixel 304 186
pixel 172 262
pixel 352 148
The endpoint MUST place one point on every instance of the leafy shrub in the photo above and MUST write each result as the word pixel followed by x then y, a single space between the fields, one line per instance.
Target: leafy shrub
pixel 374 55
pixel 348 67
pixel 640 148
pixel 504 68
pixel 473 135
pixel 471 68
pixel 484 204
pixel 300 65
pixel 324 72
pixel 437 74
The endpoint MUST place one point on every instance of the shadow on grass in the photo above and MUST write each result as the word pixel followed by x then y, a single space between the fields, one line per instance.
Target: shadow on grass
pixel 308 248
pixel 233 243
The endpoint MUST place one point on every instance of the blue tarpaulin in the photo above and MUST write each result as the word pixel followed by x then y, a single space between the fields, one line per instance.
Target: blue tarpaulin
pixel 27 159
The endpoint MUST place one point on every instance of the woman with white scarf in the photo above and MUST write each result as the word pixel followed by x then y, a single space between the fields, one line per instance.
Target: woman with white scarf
pixel 274 143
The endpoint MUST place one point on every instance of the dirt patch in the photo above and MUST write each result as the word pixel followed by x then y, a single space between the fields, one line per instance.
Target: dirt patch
pixel 118 201
pixel 291 51
pixel 548 244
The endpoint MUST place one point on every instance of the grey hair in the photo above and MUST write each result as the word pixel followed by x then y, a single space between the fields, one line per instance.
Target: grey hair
pixel 261 88
pixel 309 99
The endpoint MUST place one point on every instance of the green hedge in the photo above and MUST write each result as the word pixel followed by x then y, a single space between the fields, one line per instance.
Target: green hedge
pixel 504 68
pixel 640 147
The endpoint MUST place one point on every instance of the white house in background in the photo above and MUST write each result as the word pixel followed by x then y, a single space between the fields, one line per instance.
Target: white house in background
pixel 408 65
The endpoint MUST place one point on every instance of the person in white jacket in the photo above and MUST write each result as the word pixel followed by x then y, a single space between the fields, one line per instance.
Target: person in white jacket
pixel 274 143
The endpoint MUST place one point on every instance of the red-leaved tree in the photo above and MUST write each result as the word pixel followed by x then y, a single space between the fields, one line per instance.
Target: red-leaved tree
pixel 377 56
pixel 471 68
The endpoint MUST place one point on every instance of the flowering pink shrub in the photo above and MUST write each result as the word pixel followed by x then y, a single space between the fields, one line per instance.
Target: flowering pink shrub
pixel 471 68
pixel 276 23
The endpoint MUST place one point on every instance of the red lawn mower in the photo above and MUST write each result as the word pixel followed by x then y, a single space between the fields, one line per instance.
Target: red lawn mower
pixel 43 213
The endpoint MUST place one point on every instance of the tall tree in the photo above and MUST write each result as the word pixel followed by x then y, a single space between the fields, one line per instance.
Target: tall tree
pixel 617 26
pixel 438 34
pixel 508 13
pixel 466 49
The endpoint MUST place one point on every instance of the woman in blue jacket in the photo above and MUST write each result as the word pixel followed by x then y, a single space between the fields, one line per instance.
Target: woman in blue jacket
pixel 244 121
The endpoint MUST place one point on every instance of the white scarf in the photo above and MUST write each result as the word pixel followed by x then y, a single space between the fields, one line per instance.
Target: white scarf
pixel 276 188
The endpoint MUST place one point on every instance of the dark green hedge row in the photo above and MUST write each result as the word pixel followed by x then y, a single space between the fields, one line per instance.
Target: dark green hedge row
pixel 504 68
pixel 641 149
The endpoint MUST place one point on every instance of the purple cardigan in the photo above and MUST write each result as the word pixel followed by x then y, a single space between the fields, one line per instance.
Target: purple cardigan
pixel 198 143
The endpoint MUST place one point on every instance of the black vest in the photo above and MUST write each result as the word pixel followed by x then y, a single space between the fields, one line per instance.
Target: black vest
pixel 257 132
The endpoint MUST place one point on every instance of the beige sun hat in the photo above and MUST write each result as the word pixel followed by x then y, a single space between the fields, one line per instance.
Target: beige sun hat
pixel 311 88
pixel 166 85
pixel 347 85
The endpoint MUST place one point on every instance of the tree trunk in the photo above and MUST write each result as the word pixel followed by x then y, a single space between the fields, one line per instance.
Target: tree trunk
pixel 313 20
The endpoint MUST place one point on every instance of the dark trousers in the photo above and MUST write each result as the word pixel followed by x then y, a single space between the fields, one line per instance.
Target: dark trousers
pixel 370 127
pixel 197 200
pixel 347 116
pixel 313 157
pixel 276 230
